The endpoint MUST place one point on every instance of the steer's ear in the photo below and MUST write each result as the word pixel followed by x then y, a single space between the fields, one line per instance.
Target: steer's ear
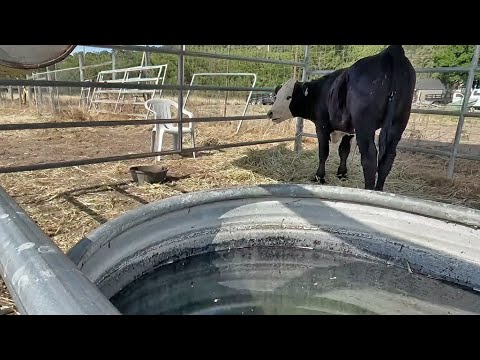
pixel 298 88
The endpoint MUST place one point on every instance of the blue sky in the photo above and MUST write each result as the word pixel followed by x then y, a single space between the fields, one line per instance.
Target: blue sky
pixel 93 49
pixel 88 49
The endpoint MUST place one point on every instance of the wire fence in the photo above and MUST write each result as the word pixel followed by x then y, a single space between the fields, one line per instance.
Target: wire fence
pixel 435 127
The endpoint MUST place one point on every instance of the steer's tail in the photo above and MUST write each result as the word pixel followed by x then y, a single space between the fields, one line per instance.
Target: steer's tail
pixel 395 52
pixel 337 98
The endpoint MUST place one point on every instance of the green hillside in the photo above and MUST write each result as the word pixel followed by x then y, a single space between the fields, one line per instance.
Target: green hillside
pixel 269 75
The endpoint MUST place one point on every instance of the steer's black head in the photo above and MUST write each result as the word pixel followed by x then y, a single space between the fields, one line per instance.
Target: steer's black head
pixel 286 97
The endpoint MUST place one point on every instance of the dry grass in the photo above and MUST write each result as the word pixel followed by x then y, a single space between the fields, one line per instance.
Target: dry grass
pixel 7 306
pixel 69 203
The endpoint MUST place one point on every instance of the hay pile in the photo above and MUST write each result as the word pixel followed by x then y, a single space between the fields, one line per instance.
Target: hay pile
pixel 68 203
pixel 7 306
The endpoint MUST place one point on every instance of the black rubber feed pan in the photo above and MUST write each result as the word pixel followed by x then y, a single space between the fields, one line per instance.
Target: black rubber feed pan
pixel 150 174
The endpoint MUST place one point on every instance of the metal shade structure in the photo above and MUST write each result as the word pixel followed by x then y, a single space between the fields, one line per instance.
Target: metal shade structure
pixel 33 56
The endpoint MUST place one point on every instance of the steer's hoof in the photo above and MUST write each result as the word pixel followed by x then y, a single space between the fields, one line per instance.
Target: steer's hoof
pixel 319 180
pixel 342 177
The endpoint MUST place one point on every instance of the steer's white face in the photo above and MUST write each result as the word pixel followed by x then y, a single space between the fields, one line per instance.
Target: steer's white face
pixel 280 110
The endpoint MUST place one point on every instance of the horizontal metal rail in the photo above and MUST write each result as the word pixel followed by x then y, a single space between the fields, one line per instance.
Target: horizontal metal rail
pixel 109 85
pixel 421 150
pixel 443 69
pixel 104 123
pixel 438 152
pixel 417 70
pixel 443 112
pixel 41 279
pixel 73 68
pixel 141 48
pixel 240 144
pixel 62 164
pixel 309 135
pixel 153 49
pixel 108 123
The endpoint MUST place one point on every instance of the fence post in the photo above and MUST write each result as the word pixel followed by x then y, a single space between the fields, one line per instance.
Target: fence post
pixel 180 82
pixel 19 89
pixel 30 90
pixel 81 73
pixel 461 119
pixel 37 93
pixel 299 126
pixel 114 64
pixel 81 64
pixel 50 90
pixel 57 99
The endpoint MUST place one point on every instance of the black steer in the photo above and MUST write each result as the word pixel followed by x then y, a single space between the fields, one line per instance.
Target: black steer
pixel 375 92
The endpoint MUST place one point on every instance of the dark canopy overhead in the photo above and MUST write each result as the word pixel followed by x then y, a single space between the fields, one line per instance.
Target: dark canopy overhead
pixel 33 56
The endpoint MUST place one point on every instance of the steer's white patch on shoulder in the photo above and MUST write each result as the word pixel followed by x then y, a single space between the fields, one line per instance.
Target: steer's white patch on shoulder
pixel 280 110
pixel 336 135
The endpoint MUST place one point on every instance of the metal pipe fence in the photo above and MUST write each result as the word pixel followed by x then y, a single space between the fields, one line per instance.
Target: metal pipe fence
pixel 182 53
pixel 62 164
pixel 39 252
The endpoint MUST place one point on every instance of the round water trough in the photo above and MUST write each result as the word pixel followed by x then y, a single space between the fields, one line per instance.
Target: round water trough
pixel 278 249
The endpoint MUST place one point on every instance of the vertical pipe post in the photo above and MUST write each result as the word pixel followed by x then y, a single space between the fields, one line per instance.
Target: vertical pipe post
pixel 30 90
pixel 50 89
pixel 81 73
pixel 19 89
pixel 81 64
pixel 461 119
pixel 180 82
pixel 114 64
pixel 57 96
pixel 299 126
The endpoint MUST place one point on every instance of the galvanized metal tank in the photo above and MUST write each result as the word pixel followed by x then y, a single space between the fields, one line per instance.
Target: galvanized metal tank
pixel 384 248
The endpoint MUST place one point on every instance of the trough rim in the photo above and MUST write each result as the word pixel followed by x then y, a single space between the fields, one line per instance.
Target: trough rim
pixel 441 211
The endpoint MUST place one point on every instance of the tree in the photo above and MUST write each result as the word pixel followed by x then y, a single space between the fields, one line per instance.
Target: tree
pixel 452 55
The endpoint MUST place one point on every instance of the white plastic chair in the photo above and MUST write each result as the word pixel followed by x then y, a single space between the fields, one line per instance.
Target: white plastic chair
pixel 161 109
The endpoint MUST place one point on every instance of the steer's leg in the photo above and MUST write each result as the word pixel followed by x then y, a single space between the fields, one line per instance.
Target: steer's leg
pixel 343 152
pixel 368 153
pixel 385 163
pixel 323 150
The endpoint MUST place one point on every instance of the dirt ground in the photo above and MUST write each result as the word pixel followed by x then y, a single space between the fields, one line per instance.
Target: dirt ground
pixel 68 203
